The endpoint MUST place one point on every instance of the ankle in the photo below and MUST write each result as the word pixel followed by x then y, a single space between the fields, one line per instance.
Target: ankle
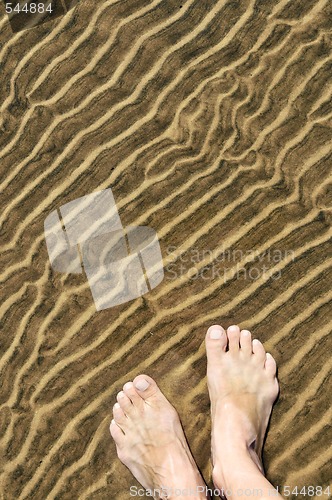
pixel 218 479
pixel 235 466
pixel 188 492
pixel 235 457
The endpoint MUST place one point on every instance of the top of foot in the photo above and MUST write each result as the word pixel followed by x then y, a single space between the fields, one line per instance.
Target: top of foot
pixel 150 441
pixel 242 386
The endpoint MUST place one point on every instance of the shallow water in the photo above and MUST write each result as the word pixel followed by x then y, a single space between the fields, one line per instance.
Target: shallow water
pixel 211 125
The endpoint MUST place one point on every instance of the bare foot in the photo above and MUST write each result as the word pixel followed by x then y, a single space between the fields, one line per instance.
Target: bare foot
pixel 242 386
pixel 150 441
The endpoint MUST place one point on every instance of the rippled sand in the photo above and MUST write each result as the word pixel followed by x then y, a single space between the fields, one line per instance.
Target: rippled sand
pixel 211 122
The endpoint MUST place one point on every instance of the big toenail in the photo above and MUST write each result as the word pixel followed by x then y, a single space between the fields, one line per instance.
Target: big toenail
pixel 142 385
pixel 215 333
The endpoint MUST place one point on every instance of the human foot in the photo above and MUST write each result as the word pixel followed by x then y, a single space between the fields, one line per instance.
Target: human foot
pixel 150 441
pixel 242 385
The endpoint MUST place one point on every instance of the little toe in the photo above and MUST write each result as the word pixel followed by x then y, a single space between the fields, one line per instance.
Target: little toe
pixel 270 364
pixel 233 334
pixel 245 341
pixel 132 394
pixel 215 343
pixel 259 352
pixel 124 402
pixel 116 433
pixel 119 415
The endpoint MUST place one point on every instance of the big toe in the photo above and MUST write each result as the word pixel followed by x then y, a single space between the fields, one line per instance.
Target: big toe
pixel 215 343
pixel 146 387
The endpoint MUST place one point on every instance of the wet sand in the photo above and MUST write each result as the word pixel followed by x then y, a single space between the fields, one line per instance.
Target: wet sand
pixel 211 122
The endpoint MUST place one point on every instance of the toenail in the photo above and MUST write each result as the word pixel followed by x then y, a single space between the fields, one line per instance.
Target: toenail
pixel 113 421
pixel 142 385
pixel 233 328
pixel 215 333
pixel 128 385
pixel 116 406
pixel 121 394
pixel 246 333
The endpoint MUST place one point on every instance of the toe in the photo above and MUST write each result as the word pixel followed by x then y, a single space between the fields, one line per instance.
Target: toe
pixel 146 387
pixel 270 364
pixel 216 343
pixel 132 394
pixel 124 402
pixel 259 352
pixel 245 342
pixel 119 415
pixel 116 433
pixel 233 334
